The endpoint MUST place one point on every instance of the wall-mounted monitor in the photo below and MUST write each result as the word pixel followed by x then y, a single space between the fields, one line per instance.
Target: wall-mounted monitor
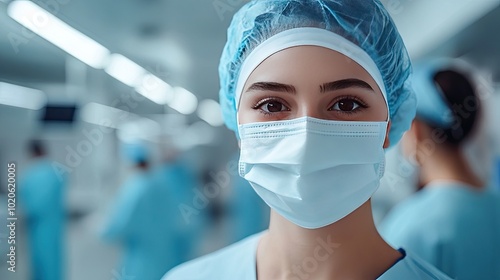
pixel 55 113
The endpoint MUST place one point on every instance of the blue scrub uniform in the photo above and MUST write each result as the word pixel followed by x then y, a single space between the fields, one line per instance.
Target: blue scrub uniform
pixel 41 197
pixel 180 181
pixel 238 261
pixel 142 222
pixel 496 183
pixel 451 226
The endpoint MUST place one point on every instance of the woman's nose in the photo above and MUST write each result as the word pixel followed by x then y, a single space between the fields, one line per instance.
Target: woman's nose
pixel 311 111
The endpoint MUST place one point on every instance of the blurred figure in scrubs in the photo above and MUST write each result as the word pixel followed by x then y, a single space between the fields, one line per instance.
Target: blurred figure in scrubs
pixel 453 222
pixel 178 180
pixel 496 175
pixel 41 197
pixel 141 221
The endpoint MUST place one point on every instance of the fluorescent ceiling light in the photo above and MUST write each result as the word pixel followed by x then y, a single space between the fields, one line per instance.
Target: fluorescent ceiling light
pixel 125 70
pixel 58 33
pixel 99 114
pixel 199 133
pixel 155 89
pixel 171 124
pixel 103 115
pixel 184 101
pixel 209 111
pixel 23 97
pixel 140 129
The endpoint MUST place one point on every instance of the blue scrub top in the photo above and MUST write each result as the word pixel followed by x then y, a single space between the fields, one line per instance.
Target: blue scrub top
pixel 41 198
pixel 41 191
pixel 238 261
pixel 451 226
pixel 180 181
pixel 142 221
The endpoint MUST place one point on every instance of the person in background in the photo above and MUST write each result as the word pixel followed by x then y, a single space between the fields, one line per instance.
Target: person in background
pixel 42 200
pixel 141 220
pixel 496 175
pixel 453 222
pixel 177 178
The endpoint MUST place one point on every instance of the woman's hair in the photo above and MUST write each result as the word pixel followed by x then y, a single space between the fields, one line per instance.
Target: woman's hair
pixel 461 97
pixel 36 148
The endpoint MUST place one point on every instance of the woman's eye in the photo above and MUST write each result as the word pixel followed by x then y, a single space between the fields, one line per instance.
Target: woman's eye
pixel 345 105
pixel 273 106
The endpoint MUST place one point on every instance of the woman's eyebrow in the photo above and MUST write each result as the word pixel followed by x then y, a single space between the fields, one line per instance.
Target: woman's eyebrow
pixel 343 84
pixel 272 86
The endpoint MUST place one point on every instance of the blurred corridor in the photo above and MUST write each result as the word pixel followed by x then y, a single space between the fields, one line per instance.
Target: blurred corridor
pixel 89 77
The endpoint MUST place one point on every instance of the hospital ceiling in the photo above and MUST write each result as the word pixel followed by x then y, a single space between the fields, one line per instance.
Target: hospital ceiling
pixel 479 43
pixel 181 40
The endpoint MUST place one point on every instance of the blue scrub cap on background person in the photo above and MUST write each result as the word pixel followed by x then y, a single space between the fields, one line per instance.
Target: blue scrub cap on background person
pixel 431 104
pixel 367 24
pixel 134 152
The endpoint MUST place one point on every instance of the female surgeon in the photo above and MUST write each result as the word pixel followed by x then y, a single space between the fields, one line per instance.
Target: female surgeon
pixel 454 221
pixel 315 90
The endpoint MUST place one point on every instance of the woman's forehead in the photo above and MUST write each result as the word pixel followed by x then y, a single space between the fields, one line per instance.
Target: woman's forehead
pixel 309 65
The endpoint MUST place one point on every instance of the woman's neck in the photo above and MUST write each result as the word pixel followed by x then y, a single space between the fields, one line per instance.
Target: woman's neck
pixel 449 166
pixel 348 249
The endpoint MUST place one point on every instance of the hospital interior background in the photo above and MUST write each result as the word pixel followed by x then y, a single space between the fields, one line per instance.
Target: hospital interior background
pixel 124 91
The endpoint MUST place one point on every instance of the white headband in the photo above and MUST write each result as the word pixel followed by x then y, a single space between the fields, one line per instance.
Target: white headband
pixel 307 36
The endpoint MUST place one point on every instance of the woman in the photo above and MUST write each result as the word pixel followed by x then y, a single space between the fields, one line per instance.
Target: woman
pixel 315 90
pixel 461 235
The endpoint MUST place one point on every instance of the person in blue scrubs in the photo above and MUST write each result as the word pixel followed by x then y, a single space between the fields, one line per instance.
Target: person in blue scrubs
pixel 176 176
pixel 496 175
pixel 41 198
pixel 453 222
pixel 141 221
pixel 315 90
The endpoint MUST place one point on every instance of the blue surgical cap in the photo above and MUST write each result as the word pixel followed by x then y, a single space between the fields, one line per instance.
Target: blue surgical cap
pixel 134 152
pixel 431 104
pixel 366 24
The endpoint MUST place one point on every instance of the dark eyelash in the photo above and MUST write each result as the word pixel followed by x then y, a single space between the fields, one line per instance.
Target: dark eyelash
pixel 267 99
pixel 361 103
pixel 265 113
pixel 348 112
pixel 347 97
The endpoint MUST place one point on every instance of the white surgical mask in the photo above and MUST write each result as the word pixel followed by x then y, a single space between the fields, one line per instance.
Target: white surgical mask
pixel 313 172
